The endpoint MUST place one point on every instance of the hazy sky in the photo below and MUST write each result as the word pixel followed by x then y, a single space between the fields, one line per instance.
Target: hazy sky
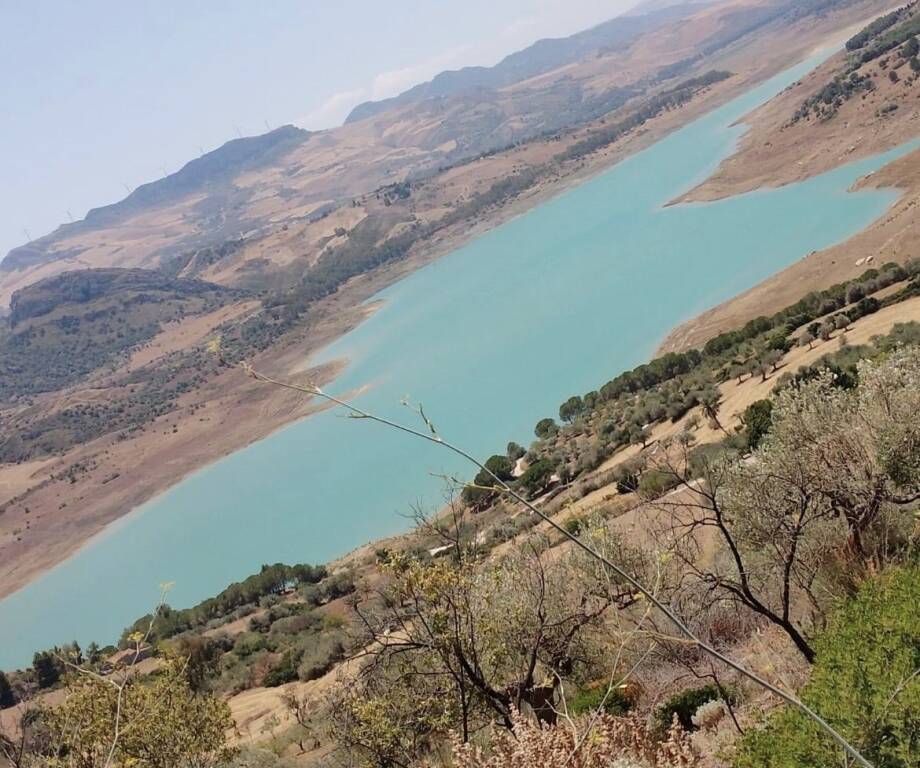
pixel 98 95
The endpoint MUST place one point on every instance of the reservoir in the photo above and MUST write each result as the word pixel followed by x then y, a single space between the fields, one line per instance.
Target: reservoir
pixel 490 338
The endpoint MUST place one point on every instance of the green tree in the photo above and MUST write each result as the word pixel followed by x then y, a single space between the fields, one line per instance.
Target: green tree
pixel 93 653
pixel 200 658
pixel 758 417
pixel 865 683
pixel 158 723
pixel 515 451
pixel 545 428
pixel 828 498
pixel 47 668
pixel 772 358
pixel 571 408
pixel 474 645
pixel 497 465
pixel 711 399
pixel 537 476
pixel 7 699
pixel 639 435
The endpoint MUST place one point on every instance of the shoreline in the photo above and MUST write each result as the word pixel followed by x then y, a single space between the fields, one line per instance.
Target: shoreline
pixel 295 356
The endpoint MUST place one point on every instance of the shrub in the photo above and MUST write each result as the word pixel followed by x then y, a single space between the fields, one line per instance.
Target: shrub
pixel 684 705
pixel 284 672
pixel 655 483
pixel 626 476
pixel 709 715
pixel 295 625
pixel 249 643
pixel 320 655
pixel 331 588
pixel 618 702
pixel 864 684
pixel 574 525
pixel 615 742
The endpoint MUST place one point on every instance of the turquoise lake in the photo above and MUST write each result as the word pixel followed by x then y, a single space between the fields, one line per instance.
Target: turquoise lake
pixel 490 339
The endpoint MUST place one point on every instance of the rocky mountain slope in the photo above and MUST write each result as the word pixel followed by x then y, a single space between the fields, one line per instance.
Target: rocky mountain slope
pixel 541 57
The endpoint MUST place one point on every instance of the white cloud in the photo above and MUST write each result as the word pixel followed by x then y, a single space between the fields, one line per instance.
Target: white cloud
pixel 547 18
pixel 333 110
pixel 395 81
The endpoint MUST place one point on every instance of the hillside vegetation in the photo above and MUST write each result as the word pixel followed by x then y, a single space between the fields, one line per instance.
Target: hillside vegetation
pixel 66 328
pixel 786 540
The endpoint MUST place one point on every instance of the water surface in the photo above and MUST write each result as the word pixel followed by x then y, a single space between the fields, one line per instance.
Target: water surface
pixel 490 338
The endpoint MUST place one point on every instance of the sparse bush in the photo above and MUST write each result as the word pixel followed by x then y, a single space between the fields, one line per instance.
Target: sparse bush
pixel 574 525
pixel 283 672
pixel 654 483
pixel 321 653
pixel 613 742
pixel 249 643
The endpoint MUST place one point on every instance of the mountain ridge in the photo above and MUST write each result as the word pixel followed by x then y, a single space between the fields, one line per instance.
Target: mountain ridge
pixel 214 168
pixel 540 57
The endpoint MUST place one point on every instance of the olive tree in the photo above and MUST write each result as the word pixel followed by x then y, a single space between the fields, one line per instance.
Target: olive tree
pixel 155 723
pixel 824 498
pixel 456 643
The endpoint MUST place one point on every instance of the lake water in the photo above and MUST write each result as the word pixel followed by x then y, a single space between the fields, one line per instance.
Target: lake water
pixel 490 338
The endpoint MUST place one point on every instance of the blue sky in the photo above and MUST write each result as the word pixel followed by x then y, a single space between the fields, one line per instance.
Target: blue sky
pixel 99 95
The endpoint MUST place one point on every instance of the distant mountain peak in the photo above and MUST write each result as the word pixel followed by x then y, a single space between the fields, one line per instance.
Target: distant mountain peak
pixel 219 166
pixel 542 56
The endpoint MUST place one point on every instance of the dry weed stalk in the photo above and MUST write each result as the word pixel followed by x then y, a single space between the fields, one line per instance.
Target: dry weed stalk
pixel 615 742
